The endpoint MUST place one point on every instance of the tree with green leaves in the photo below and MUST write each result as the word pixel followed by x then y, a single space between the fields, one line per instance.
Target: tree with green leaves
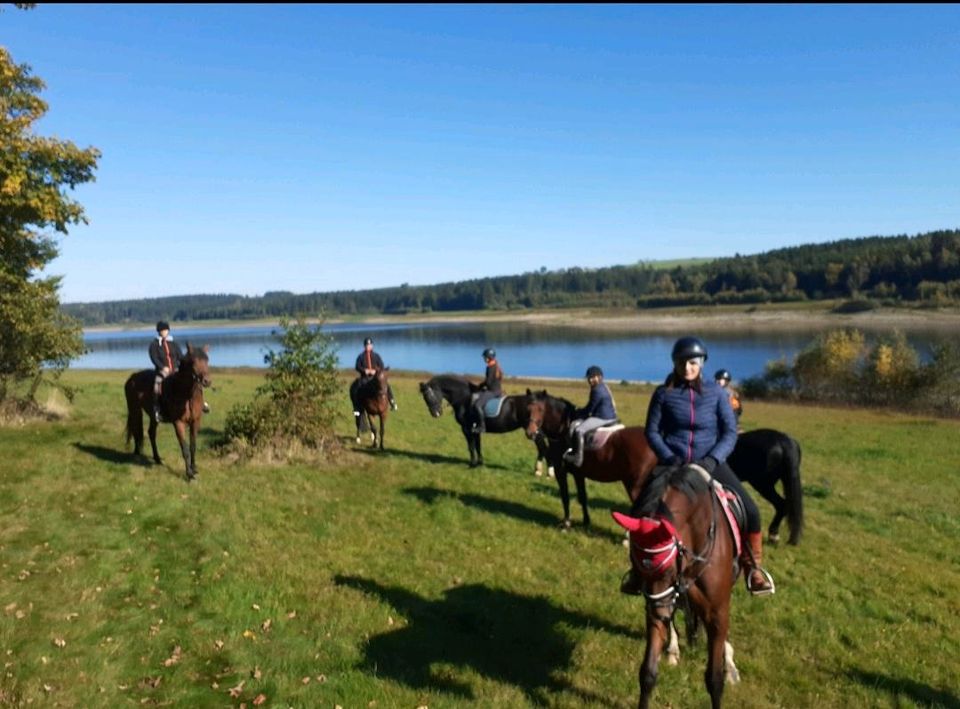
pixel 35 173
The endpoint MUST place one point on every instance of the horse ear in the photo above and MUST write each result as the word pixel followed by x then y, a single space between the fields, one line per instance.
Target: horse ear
pixel 189 348
pixel 631 524
pixel 529 393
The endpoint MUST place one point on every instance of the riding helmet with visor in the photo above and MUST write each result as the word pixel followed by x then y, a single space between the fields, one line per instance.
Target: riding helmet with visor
pixel 686 348
pixel 367 341
pixel 722 375
pixel 489 353
pixel 162 325
pixel 594 371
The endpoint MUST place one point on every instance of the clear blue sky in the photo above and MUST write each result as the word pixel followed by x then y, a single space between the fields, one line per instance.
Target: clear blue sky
pixel 304 148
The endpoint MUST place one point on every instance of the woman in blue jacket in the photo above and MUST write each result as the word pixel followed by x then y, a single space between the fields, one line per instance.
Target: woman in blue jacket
pixel 690 421
pixel 599 411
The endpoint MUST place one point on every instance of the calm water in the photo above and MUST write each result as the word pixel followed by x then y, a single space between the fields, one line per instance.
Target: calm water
pixel 523 349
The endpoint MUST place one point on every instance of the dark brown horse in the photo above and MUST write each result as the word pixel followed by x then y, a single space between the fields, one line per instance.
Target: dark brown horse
pixel 181 404
pixel 373 399
pixel 764 457
pixel 684 550
pixel 626 457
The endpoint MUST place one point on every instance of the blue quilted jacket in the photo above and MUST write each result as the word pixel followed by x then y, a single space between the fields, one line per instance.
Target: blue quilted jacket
pixel 689 424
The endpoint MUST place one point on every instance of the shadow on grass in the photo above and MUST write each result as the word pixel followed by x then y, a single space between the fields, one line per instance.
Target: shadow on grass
pixel 428 457
pixel 900 687
pixel 498 634
pixel 111 455
pixel 430 495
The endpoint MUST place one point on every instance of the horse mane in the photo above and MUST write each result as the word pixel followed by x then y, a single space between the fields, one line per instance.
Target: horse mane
pixel 682 478
pixel 554 402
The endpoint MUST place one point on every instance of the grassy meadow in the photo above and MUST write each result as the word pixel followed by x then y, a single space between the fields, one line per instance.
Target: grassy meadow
pixel 405 579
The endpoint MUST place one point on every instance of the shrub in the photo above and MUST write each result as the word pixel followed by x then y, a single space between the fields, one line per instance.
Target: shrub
pixel 292 412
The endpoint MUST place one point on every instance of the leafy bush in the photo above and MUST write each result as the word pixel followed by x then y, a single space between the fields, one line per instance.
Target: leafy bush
pixel 292 412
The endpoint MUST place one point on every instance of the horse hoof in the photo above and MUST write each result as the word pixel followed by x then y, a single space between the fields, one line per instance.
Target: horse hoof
pixel 551 473
pixel 672 659
pixel 565 525
pixel 774 539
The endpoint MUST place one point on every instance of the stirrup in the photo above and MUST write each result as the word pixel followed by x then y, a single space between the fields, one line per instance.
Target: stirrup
pixel 760 591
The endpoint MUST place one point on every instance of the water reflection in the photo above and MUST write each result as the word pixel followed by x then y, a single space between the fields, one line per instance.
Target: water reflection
pixel 523 349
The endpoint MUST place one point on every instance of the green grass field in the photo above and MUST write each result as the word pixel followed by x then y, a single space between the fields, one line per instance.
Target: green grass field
pixel 405 579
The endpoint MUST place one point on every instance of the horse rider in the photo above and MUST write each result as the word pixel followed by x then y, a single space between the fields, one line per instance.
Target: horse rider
pixel 490 388
pixel 601 410
pixel 722 377
pixel 165 355
pixel 690 421
pixel 368 362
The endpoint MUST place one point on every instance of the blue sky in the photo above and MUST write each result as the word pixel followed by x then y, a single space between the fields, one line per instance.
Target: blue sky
pixel 252 148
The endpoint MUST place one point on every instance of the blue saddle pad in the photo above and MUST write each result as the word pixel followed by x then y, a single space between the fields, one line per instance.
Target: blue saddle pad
pixel 492 408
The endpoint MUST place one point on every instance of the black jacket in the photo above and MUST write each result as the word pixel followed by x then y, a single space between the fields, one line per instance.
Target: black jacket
pixel 159 357
pixel 362 363
pixel 492 379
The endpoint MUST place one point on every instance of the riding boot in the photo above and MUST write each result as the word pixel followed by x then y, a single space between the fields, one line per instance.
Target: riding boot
pixel 574 454
pixel 759 582
pixel 631 583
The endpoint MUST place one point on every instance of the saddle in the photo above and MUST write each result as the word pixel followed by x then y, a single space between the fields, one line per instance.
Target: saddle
pixel 732 507
pixel 594 439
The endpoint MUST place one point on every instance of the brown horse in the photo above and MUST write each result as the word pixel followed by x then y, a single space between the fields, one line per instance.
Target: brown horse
pixel 373 399
pixel 181 403
pixel 683 548
pixel 626 457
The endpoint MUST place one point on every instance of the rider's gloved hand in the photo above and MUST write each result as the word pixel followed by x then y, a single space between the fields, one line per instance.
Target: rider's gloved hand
pixel 709 464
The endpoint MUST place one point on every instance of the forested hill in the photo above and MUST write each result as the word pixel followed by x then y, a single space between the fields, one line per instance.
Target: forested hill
pixel 894 269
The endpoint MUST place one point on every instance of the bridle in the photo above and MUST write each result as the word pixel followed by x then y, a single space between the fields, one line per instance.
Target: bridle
pixel 663 604
pixel 434 401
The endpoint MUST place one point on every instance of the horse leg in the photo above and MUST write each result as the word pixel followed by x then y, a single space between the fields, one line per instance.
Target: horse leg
pixel 194 425
pixel 582 497
pixel 673 646
pixel 769 493
pixel 564 496
pixel 656 637
pixel 731 673
pixel 184 446
pixel 471 446
pixel 152 432
pixel 479 450
pixel 717 629
pixel 382 416
pixel 134 425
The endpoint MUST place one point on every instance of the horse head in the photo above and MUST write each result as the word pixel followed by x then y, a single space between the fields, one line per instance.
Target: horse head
pixel 538 413
pixel 432 397
pixel 198 362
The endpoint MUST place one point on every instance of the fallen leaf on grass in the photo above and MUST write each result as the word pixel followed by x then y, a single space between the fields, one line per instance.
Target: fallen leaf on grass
pixel 291 615
pixel 219 645
pixel 256 673
pixel 249 634
pixel 174 658
pixel 261 698
pixel 305 680
pixel 235 691
pixel 265 625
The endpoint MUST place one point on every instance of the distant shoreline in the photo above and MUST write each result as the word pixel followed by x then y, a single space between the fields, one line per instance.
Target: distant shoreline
pixel 693 320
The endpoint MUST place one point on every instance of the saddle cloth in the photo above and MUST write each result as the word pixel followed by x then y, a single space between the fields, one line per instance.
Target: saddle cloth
pixel 491 409
pixel 732 507
pixel 595 439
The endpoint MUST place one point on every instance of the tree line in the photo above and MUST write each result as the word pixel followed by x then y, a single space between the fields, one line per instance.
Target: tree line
pixel 868 271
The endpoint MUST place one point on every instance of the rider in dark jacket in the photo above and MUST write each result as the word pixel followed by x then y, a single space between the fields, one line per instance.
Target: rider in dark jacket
pixel 490 388
pixel 599 411
pixel 690 421
pixel 367 364
pixel 165 355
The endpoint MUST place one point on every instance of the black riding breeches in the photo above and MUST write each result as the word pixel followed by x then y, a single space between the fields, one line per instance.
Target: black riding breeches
pixel 727 478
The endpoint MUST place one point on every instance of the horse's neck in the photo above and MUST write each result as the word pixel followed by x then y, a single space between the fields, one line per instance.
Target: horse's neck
pixel 454 390
pixel 183 382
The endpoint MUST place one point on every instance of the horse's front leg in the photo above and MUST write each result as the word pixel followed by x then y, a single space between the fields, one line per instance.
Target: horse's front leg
pixel 194 425
pixel 382 416
pixel 184 446
pixel 715 675
pixel 673 647
pixel 656 637
pixel 479 447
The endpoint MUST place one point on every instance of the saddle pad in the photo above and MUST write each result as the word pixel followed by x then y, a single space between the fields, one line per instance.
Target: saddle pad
pixel 598 436
pixel 729 502
pixel 492 408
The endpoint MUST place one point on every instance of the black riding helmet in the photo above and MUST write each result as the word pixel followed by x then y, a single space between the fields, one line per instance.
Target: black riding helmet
pixel 489 353
pixel 594 371
pixel 687 348
pixel 163 326
pixel 722 375
pixel 367 341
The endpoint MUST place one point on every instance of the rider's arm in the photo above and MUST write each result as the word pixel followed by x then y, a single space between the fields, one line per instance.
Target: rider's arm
pixel 652 430
pixel 155 356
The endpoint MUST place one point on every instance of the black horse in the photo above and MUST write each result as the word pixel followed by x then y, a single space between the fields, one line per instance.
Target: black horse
pixel 764 457
pixel 457 392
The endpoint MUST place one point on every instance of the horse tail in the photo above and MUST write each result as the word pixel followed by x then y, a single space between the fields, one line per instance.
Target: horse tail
pixel 792 489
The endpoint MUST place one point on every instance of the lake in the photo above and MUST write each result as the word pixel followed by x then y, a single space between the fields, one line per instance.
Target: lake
pixel 523 349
